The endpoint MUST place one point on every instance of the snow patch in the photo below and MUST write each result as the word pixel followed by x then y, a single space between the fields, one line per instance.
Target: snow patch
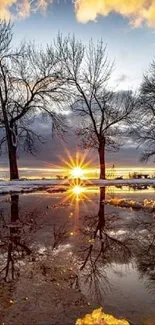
pixel 148 205
pixel 31 185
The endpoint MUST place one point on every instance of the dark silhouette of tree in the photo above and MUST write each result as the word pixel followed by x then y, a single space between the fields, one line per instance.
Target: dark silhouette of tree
pixel 16 237
pixel 30 86
pixel 60 234
pixel 101 111
pixel 103 249
pixel 145 254
pixel 16 247
pixel 143 128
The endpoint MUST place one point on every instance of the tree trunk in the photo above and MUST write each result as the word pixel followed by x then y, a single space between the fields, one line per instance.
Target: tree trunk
pixel 13 163
pixel 101 213
pixel 12 150
pixel 11 140
pixel 101 151
pixel 14 207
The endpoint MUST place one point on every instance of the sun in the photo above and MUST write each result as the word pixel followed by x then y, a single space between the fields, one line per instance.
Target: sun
pixel 77 166
pixel 77 172
pixel 74 167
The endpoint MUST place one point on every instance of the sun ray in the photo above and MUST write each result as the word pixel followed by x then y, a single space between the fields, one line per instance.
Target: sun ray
pixel 77 167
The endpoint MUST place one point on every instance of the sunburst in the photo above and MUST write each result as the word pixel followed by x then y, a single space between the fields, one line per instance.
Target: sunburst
pixel 77 166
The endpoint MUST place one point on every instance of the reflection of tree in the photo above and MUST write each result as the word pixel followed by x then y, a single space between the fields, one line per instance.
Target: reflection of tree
pixel 104 248
pixel 60 234
pixel 17 234
pixel 12 243
pixel 145 258
pixel 141 241
pixel 138 187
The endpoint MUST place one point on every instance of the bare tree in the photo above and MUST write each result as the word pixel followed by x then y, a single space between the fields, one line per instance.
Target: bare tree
pixel 143 128
pixel 30 85
pixel 101 111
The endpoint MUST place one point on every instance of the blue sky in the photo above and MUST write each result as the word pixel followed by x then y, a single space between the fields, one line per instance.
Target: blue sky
pixel 132 48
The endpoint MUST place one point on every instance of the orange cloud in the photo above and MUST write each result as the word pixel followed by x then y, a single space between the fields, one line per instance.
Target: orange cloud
pixel 5 5
pixel 22 8
pixel 138 11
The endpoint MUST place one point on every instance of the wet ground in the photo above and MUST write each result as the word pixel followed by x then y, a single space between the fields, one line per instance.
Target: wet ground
pixel 62 254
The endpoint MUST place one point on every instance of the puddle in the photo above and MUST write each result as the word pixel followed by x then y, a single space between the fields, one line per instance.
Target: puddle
pixel 63 254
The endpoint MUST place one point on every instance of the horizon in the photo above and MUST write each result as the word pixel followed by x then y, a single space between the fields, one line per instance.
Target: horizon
pixel 89 173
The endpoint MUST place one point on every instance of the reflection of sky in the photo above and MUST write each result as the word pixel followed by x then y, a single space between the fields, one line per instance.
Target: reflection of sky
pixel 128 293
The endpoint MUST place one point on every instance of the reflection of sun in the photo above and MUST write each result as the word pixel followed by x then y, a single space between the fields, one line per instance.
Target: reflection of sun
pixel 75 196
pixel 77 190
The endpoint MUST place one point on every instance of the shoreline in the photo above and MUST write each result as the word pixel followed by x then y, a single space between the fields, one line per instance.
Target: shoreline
pixel 27 186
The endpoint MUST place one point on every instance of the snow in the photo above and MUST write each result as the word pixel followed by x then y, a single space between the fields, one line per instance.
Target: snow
pixel 146 205
pixel 31 185
pixel 25 186
pixel 110 182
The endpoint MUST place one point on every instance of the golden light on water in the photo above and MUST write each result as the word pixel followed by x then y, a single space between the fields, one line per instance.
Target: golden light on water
pixel 77 190
pixel 74 196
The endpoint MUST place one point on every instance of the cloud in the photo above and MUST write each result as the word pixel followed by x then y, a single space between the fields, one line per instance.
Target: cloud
pixel 138 11
pixel 5 6
pixel 12 9
pixel 122 78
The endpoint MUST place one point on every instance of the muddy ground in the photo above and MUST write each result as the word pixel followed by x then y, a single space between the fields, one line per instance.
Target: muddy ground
pixel 46 292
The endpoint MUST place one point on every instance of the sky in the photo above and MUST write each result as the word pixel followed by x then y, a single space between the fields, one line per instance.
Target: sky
pixel 128 29
pixel 131 47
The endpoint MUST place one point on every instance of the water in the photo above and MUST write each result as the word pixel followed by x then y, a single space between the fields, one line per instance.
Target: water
pixel 111 250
